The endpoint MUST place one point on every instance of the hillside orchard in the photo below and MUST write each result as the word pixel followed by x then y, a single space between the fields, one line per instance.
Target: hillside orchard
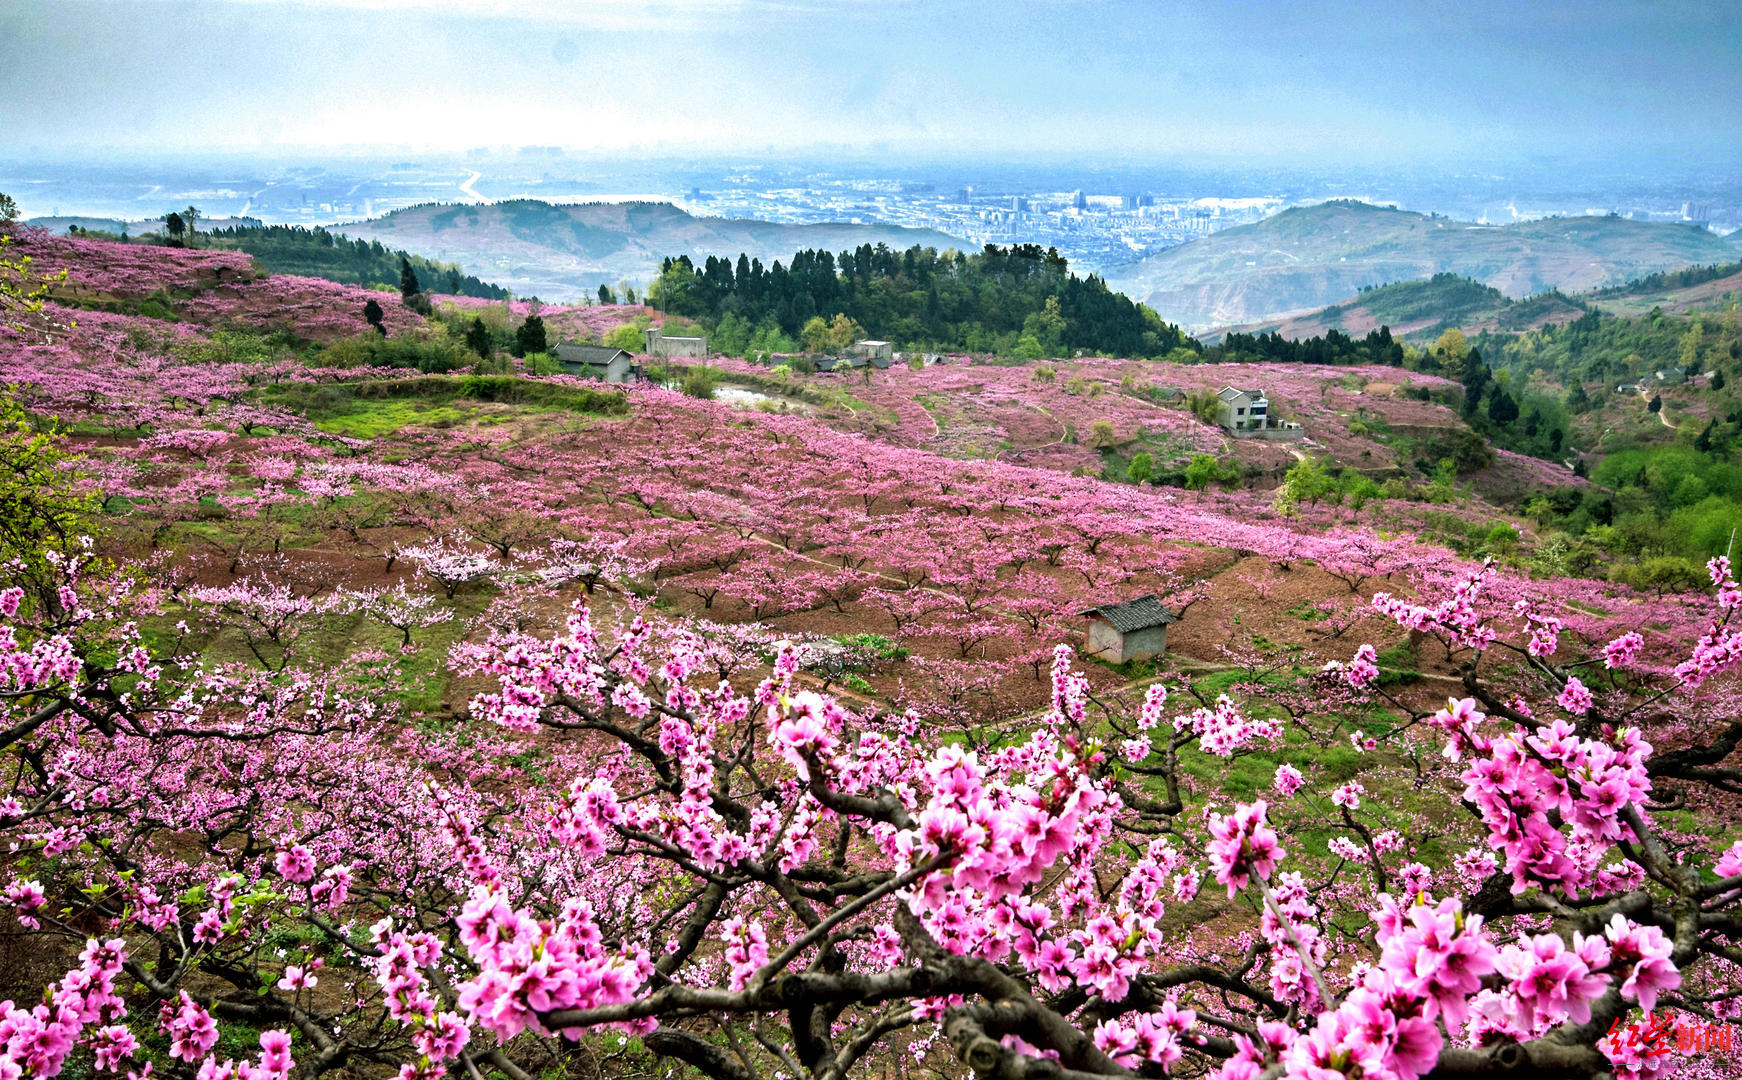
pixel 504 725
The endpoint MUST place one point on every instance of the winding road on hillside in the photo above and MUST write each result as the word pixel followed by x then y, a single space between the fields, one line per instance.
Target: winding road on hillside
pixel 1646 397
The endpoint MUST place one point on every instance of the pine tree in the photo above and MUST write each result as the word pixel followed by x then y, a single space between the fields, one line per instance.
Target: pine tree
pixel 1502 409
pixel 478 338
pixel 530 337
pixel 1473 373
pixel 408 286
pixel 373 314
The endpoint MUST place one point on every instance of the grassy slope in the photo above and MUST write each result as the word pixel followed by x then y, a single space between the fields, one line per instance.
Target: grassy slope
pixel 1712 295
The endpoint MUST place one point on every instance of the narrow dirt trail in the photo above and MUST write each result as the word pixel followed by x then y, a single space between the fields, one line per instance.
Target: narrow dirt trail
pixel 1662 416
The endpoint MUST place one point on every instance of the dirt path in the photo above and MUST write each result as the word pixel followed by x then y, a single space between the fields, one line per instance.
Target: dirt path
pixel 1662 416
pixel 1016 454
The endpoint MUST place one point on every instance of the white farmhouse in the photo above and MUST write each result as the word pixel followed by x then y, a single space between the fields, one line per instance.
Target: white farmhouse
pixel 1243 410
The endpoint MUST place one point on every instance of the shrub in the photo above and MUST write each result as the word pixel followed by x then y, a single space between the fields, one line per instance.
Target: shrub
pixel 629 337
pixel 699 382
pixel 1205 470
pixel 1142 468
pixel 1660 574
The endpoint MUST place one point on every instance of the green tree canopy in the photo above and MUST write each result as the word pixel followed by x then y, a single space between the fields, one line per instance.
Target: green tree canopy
pixel 530 337
pixel 408 285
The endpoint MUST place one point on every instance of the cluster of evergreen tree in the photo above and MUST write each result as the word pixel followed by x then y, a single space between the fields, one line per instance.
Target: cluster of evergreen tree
pixel 1672 279
pixel 1335 347
pixel 985 302
pixel 1447 298
pixel 293 249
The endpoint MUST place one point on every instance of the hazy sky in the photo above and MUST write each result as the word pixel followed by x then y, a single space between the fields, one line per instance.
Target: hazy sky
pixel 1616 80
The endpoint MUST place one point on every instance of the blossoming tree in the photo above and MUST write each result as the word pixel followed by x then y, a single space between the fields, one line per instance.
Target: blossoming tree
pixel 763 881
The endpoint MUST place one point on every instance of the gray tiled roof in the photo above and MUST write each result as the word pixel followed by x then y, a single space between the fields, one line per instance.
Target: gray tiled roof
pixel 1228 393
pixel 1138 614
pixel 591 355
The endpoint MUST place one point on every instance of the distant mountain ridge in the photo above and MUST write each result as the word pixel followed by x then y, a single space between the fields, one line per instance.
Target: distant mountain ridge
pixel 557 250
pixel 1306 258
pixel 1420 309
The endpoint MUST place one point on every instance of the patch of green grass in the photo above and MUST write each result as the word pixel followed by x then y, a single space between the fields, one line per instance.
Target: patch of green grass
pixel 359 408
pixel 1168 457
pixel 1399 664
pixel 373 419
pixel 1216 683
pixel 883 648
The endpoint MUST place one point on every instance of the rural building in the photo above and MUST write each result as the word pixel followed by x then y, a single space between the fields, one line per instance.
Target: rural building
pixel 1243 409
pixel 1134 630
pixel 850 362
pixel 873 351
pixel 658 344
pixel 596 361
pixel 1246 413
pixel 1167 393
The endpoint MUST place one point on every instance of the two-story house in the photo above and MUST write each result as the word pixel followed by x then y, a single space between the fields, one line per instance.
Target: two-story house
pixel 1243 410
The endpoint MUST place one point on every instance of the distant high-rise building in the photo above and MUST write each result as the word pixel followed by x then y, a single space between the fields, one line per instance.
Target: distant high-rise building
pixel 1079 201
pixel 965 195
pixel 695 194
pixel 1132 202
pixel 1018 204
pixel 1697 212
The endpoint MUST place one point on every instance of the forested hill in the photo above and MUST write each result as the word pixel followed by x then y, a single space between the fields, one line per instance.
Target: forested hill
pixel 1307 257
pixel 1422 310
pixel 562 250
pixel 293 249
pixel 1019 301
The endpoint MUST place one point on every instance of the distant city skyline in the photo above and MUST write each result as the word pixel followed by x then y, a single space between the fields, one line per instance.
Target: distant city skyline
pixel 1636 85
